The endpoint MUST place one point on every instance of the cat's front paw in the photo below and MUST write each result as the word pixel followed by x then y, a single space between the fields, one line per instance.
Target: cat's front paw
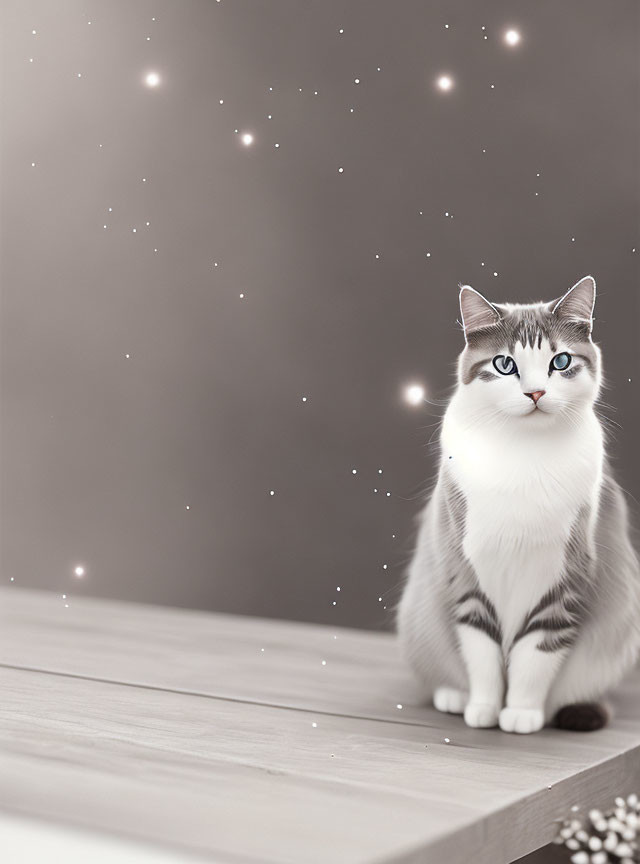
pixel 481 715
pixel 522 720
pixel 450 700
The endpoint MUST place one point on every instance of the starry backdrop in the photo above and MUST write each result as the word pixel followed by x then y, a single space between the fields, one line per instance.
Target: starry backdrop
pixel 232 234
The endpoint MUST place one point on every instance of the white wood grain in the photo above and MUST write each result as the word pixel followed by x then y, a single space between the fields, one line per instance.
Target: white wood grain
pixel 227 777
pixel 277 662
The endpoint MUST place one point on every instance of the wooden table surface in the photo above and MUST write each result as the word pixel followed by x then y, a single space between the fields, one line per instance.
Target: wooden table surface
pixel 237 739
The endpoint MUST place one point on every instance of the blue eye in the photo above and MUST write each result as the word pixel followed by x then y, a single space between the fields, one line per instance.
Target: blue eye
pixel 561 361
pixel 504 365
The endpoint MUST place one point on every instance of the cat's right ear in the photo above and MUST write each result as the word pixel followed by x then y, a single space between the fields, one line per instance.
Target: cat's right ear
pixel 476 311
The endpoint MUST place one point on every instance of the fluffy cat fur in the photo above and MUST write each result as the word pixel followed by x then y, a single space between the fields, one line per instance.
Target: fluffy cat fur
pixel 522 599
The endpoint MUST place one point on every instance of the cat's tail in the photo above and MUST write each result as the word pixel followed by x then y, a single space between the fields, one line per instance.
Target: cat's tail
pixel 582 717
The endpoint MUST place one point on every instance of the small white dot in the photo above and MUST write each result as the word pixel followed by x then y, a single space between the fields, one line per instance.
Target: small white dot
pixel 379 599
pixel 242 296
pixel 448 741
pixel 340 170
pixel 152 79
pixel 247 139
pixel 314 725
pixel 127 356
pixel 30 59
pixel 385 566
pixel 379 70
pixel 304 398
pixel 147 224
pixel 144 179
pixel 356 80
pixel 13 579
pixel 377 255
pixel 34 32
pixel 512 37
pixel 262 650
pixel 493 86
pixel 388 494
pixel 573 239
pixel 276 146
pixel 324 662
pixel 33 164
pixel 445 82
pixel 354 470
pixel 337 588
pixel 272 492
pixel 134 230
pixel 215 263
pixel 188 507
pixel 495 272
pixel 341 30
pixel 79 74
pixel 375 490
pixel 484 151
pixel 428 254
pixel 399 706
pixel 414 394
pixel 148 38
pixel 79 570
pixel 64 596
pixel 379 470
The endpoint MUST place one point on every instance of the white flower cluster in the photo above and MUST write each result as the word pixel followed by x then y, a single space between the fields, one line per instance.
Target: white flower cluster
pixel 607 838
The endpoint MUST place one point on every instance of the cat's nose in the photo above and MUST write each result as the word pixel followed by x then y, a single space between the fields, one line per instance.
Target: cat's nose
pixel 536 395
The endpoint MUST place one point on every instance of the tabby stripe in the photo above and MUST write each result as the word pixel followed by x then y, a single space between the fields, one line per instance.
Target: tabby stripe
pixel 474 619
pixel 556 641
pixel 476 594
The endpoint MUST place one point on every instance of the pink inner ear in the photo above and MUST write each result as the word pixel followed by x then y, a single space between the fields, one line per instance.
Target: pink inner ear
pixel 476 311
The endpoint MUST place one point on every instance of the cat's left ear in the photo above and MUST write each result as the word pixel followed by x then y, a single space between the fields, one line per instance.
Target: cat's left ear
pixel 577 304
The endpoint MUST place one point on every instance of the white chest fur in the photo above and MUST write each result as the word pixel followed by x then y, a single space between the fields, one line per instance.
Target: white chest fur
pixel 524 487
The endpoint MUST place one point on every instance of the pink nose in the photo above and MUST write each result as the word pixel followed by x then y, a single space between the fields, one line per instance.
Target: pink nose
pixel 536 395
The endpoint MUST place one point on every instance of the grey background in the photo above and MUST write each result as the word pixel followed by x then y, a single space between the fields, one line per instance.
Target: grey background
pixel 101 455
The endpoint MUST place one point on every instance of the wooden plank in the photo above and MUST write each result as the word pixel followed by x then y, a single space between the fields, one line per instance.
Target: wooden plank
pixel 275 662
pixel 262 784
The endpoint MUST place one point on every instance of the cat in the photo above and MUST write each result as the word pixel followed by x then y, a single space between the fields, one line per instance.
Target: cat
pixel 522 601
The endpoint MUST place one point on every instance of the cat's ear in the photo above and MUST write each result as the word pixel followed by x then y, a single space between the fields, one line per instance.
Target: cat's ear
pixel 476 311
pixel 577 304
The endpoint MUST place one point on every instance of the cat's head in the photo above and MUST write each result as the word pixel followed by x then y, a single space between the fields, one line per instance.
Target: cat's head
pixel 535 361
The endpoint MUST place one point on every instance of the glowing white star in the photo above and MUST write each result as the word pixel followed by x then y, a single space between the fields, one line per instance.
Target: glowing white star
pixel 445 82
pixel 512 37
pixel 247 139
pixel 79 570
pixel 152 79
pixel 414 394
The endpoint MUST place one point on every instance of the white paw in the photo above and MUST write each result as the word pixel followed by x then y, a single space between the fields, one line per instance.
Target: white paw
pixel 522 720
pixel 449 700
pixel 481 715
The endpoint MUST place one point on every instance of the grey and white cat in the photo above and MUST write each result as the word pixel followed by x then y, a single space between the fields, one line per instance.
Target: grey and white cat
pixel 523 597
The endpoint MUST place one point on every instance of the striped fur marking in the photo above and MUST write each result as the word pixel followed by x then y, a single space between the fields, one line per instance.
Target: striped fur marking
pixel 476 610
pixel 556 617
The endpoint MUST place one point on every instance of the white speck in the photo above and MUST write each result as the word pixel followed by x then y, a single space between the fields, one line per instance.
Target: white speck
pixel 242 296
pixel 127 356
pixel 79 74
pixel 354 470
pixel 447 741
pixel 493 86
pixel 215 263
pixel 147 224
pixel 134 230
pixel 66 605
pixel 324 662
pixel 64 596
pixel 337 588
pixel 314 725
pixel 446 26
pixel 377 255
pixel 272 492
pixel 445 82
pixel 13 579
pixel 428 254
pixel 34 32
pixel 379 470
pixel 152 79
pixel 144 179
pixel 385 566
pixel 247 139
pixel 340 170
pixel 388 494
pixel 379 599
pixel 30 59
pixel 414 394
pixel 495 272
pixel 79 570
pixel 399 707
pixel 512 37
pixel 276 146
pixel 341 30
pixel 304 398
pixel 356 80
pixel 262 650
pixel 188 507
pixel 334 603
